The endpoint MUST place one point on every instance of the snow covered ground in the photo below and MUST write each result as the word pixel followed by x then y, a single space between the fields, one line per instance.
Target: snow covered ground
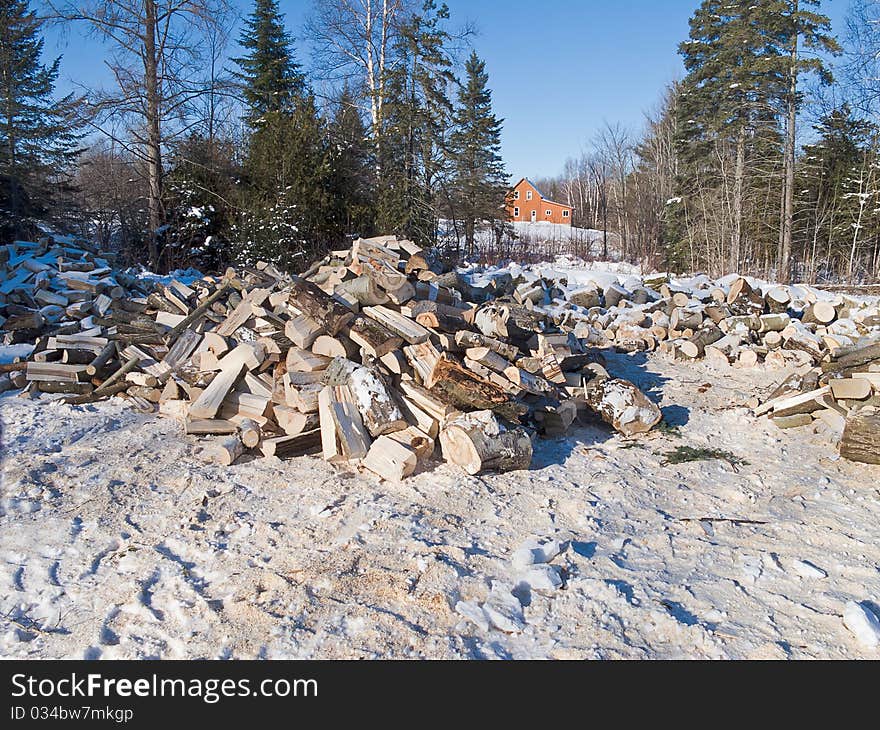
pixel 116 542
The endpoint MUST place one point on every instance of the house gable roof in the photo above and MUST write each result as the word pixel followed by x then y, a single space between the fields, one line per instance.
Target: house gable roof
pixel 546 200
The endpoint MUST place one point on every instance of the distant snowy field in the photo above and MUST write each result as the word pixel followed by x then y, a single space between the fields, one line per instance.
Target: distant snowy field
pixel 117 542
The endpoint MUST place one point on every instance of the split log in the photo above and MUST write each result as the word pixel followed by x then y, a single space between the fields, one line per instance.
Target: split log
pixel 215 426
pixel 621 404
pixel 466 391
pixel 376 339
pixel 436 408
pixel 245 355
pixel 800 403
pixel 489 358
pixel 614 294
pixel 302 331
pixel 477 443
pixel 861 436
pixel 363 290
pixel 311 300
pixel 794 421
pixel 696 346
pixel 343 436
pixel 466 338
pixel 390 459
pixel 743 299
pixel 410 331
pixel 224 451
pixel 288 447
pixel 303 361
pixel 414 439
pixel 292 422
pixel 198 312
pixel 339 346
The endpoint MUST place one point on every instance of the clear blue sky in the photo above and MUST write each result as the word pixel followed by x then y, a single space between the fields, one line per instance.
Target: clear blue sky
pixel 557 73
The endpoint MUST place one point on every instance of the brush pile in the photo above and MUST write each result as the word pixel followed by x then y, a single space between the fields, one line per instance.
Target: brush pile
pixel 369 358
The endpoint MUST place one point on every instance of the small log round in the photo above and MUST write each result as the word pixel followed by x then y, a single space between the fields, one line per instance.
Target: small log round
pixel 476 443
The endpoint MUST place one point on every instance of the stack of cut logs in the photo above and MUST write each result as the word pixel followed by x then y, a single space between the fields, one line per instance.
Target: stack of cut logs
pixel 369 358
pixel 832 341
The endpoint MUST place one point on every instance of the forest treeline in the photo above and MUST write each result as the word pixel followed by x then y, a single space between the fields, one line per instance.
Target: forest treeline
pixel 763 158
pixel 196 158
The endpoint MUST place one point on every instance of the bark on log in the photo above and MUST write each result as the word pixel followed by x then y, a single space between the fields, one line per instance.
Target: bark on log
pixel 621 404
pixel 466 338
pixel 696 346
pixel 376 339
pixel 466 391
pixel 224 451
pixel 476 443
pixel 288 447
pixel 860 357
pixel 363 290
pixel 313 301
pixel 861 436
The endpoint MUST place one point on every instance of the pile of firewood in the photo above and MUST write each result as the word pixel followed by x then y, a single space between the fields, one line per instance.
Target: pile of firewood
pixel 734 321
pixel 370 357
pixel 831 340
pixel 842 395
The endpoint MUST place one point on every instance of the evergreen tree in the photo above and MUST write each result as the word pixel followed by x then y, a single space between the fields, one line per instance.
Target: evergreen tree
pixel 728 109
pixel 290 210
pixel 37 132
pixel 837 203
pixel 199 191
pixel 798 25
pixel 271 79
pixel 288 206
pixel 353 167
pixel 479 179
pixel 413 140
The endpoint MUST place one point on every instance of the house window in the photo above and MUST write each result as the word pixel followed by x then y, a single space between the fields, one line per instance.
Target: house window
pixel 515 212
pixel 516 194
pixel 565 214
pixel 528 194
pixel 549 212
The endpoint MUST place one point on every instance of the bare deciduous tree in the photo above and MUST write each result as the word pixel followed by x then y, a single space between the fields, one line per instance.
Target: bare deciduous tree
pixel 156 53
pixel 353 40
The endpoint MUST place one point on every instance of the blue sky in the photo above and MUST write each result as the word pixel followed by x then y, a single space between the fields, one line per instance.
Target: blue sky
pixel 557 73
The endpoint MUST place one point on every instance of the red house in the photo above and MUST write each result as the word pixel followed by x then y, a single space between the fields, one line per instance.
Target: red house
pixel 526 203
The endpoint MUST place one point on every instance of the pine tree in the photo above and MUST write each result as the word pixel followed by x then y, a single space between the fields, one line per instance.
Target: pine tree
pixel 838 203
pixel 728 105
pixel 796 25
pixel 479 180
pixel 353 167
pixel 38 133
pixel 413 140
pixel 288 206
pixel 271 79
